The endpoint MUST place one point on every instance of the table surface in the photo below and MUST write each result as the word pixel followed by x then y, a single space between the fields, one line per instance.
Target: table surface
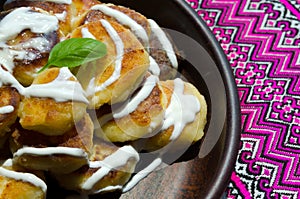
pixel 261 39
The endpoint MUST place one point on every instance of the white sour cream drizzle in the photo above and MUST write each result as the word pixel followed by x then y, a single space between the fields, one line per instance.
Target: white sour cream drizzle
pixel 75 152
pixel 25 177
pixel 142 174
pixel 117 159
pixel 181 110
pixel 61 89
pixel 8 163
pixel 54 1
pixel 109 188
pixel 153 67
pixel 6 109
pixel 87 34
pixel 9 53
pixel 92 88
pixel 138 98
pixel 165 42
pixel 68 90
pixel 61 16
pixel 124 19
pixel 24 18
pixel 131 106
pixel 39 43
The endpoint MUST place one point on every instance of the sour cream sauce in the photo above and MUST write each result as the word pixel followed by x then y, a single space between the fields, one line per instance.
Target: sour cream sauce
pixel 124 19
pixel 181 110
pixel 61 89
pixel 25 177
pixel 119 46
pixel 6 109
pixel 115 160
pixel 75 152
pixel 165 42
pixel 24 18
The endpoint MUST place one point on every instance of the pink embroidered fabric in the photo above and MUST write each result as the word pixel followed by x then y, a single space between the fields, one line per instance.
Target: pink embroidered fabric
pixel 261 39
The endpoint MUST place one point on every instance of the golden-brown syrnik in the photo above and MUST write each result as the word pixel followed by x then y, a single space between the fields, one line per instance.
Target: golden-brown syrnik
pixel 79 137
pixel 141 123
pixel 47 116
pixel 115 177
pixel 135 63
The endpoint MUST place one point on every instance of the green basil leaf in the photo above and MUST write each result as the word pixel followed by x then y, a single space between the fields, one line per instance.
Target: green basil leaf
pixel 74 52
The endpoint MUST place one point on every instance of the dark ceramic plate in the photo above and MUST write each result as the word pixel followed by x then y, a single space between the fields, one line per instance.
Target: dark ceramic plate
pixel 205 169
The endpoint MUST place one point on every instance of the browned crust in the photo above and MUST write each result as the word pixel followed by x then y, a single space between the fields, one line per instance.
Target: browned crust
pixel 18 189
pixel 80 136
pixel 142 115
pixel 25 70
pixel 8 96
pixel 45 5
pixel 96 15
pixel 192 132
pixel 136 16
pixel 117 176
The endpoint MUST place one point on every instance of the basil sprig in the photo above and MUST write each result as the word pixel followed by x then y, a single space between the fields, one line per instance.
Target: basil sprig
pixel 74 52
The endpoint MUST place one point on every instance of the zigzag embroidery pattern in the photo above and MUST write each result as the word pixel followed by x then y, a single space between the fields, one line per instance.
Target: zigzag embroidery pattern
pixel 261 39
